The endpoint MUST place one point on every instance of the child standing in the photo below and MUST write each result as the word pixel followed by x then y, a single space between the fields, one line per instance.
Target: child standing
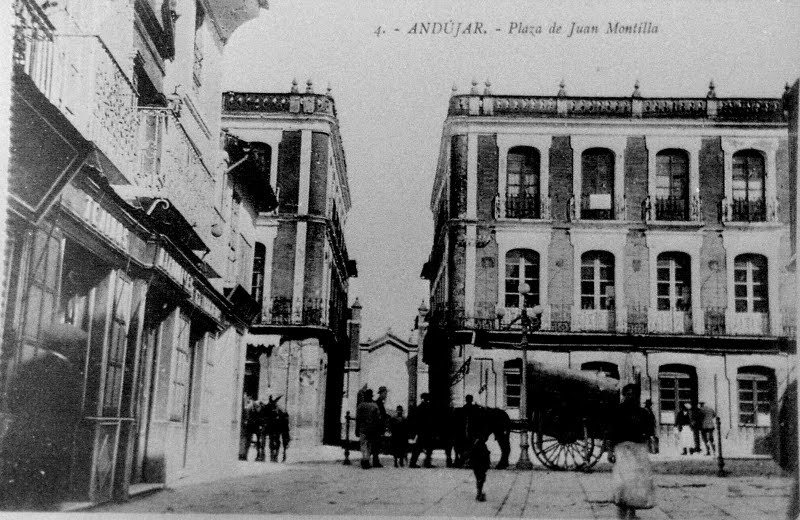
pixel 398 427
pixel 479 458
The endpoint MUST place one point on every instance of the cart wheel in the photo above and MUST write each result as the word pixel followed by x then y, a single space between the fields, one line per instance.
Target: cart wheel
pixel 560 442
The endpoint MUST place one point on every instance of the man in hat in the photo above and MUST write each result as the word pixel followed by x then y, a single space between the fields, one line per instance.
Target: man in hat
pixel 383 392
pixel 368 427
pixel 44 400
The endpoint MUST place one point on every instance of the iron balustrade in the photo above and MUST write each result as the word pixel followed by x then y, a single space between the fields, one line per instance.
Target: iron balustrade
pixel 282 310
pixel 672 208
pixel 523 205
pixel 744 210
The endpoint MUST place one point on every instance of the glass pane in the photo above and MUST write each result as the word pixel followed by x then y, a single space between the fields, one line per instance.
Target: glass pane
pixel 587 288
pixel 587 303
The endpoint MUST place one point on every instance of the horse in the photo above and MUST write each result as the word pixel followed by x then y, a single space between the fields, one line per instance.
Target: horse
pixel 277 429
pixel 469 423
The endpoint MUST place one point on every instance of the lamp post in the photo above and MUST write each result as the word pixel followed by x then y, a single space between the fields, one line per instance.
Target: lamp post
pixel 528 325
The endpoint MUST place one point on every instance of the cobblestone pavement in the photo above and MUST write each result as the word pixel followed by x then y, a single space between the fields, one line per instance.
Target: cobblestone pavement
pixel 750 492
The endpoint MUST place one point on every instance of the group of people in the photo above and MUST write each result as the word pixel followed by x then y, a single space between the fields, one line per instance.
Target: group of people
pixel 696 425
pixel 262 421
pixel 374 423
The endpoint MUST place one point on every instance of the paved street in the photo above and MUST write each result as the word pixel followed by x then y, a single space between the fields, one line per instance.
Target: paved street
pixel 754 490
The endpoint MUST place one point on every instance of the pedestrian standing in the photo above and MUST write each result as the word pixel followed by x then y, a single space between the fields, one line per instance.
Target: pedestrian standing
pixel 368 427
pixel 422 426
pixel 683 422
pixel 652 436
pixel 479 459
pixel 398 427
pixel 697 426
pixel 383 393
pixel 707 427
pixel 632 474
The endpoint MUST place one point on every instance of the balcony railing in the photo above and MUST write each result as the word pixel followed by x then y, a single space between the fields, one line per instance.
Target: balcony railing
pixel 672 208
pixel 523 206
pixel 293 102
pixel 743 210
pixel 285 311
pixel 80 76
pixel 33 44
pixel 595 320
pixel 671 321
pixel 749 323
pixel 715 323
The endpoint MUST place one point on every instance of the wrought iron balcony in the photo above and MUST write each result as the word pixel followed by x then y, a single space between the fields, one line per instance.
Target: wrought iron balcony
pixel 715 321
pixel 672 208
pixel 748 323
pixel 743 210
pixel 285 311
pixel 522 206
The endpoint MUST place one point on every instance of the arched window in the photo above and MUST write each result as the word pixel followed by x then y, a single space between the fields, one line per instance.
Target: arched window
pixel 512 378
pixel 677 385
pixel 522 266
pixel 673 282
pixel 672 185
pixel 748 186
pixel 750 283
pixel 259 258
pixel 757 393
pixel 604 367
pixel 597 184
pixel 522 183
pixel 597 280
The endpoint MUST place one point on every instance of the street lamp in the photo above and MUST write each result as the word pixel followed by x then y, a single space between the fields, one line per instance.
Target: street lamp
pixel 528 325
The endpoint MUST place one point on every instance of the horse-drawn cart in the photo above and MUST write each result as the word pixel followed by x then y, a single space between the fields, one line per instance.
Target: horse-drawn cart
pixel 569 411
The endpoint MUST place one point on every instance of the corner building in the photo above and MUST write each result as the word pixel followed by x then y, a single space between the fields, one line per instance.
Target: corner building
pixel 298 345
pixel 654 233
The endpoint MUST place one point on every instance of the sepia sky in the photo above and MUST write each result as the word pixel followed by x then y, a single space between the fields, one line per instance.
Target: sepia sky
pixel 392 90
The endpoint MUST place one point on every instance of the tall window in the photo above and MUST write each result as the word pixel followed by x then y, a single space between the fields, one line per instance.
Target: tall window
pixel 597 184
pixel 522 266
pixel 597 280
pixel 750 283
pixel 522 183
pixel 44 264
pixel 672 185
pixel 512 375
pixel 117 346
pixel 748 186
pixel 673 282
pixel 756 395
pixel 677 385
pixel 259 259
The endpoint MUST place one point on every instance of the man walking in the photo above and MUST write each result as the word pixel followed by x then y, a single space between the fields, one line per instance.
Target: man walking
pixel 708 415
pixel 383 392
pixel 368 427
pixel 423 428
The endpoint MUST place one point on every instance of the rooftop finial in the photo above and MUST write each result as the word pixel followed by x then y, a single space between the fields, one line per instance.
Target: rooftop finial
pixel 636 92
pixel 711 90
pixel 786 87
pixel 295 90
pixel 474 87
pixel 309 86
pixel 561 91
pixel 488 90
pixel 454 89
pixel 329 89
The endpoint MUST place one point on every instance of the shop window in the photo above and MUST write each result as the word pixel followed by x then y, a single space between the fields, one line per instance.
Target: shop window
pixel 672 185
pixel 597 184
pixel 750 283
pixel 117 346
pixel 748 187
pixel 522 183
pixel 677 385
pixel 597 280
pixel 522 266
pixel 512 376
pixel 673 281
pixel 757 394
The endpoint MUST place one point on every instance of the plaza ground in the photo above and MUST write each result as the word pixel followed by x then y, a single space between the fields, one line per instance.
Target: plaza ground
pixel 317 483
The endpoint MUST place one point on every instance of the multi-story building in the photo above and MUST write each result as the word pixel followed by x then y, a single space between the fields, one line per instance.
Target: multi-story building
pixel 652 232
pixel 298 345
pixel 127 222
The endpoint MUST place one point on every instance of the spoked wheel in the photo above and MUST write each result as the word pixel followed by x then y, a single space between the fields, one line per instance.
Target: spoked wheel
pixel 560 442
